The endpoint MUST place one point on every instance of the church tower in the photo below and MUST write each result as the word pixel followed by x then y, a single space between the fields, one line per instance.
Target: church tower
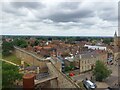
pixel 115 42
pixel 115 39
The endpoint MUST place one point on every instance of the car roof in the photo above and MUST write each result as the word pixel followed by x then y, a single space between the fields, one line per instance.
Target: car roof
pixel 89 82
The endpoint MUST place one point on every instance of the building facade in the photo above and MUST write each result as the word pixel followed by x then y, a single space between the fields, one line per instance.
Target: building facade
pixel 86 62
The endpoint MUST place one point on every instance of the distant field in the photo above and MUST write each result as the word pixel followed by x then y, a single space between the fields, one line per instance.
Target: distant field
pixel 13 59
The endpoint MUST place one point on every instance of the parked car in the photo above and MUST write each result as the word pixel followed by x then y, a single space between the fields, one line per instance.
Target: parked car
pixel 89 85
pixel 71 74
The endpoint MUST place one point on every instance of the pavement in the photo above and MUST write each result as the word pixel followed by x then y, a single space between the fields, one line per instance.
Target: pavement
pixel 101 84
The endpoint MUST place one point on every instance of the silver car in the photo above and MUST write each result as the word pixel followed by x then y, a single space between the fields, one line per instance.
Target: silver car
pixel 89 85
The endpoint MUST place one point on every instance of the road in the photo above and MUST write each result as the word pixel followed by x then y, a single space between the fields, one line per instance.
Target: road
pixel 80 77
pixel 109 82
pixel 113 79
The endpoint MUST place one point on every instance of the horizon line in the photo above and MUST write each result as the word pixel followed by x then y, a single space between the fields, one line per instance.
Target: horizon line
pixel 55 35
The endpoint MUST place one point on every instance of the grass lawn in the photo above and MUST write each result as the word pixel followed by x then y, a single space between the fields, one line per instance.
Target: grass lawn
pixel 13 59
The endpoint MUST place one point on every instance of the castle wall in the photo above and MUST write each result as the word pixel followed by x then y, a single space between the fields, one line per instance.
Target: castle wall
pixel 62 81
pixel 31 59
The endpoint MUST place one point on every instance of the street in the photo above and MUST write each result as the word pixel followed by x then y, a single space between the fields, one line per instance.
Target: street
pixel 111 81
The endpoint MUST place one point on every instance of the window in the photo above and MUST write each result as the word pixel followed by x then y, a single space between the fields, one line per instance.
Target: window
pixel 88 66
pixel 82 61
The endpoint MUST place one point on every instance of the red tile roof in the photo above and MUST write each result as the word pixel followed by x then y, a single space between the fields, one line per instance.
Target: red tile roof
pixel 37 47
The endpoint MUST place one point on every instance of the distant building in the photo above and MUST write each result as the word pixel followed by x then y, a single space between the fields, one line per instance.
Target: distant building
pixel 95 47
pixel 116 43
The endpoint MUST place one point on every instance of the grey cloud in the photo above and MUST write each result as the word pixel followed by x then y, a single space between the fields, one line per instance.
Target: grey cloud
pixel 73 16
pixel 107 11
pixel 16 7
pixel 65 17
pixel 8 9
pixel 69 5
pixel 12 11
pixel 109 16
pixel 27 4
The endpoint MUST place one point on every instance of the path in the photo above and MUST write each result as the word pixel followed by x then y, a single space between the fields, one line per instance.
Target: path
pixel 9 62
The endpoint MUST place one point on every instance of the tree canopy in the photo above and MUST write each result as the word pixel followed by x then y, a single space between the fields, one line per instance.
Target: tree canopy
pixel 107 40
pixel 101 71
pixel 10 74
pixel 21 43
pixel 7 47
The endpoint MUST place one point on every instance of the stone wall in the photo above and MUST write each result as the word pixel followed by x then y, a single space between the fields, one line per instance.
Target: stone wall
pixel 62 80
pixel 31 59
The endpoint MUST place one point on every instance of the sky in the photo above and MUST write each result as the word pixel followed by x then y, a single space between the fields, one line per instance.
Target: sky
pixel 59 18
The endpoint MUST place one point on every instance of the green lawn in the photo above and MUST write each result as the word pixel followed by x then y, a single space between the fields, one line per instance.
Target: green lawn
pixel 13 59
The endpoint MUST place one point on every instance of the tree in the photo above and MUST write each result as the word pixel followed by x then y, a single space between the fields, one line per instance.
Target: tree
pixel 107 40
pixel 10 74
pixel 7 47
pixel 21 43
pixel 69 68
pixel 36 42
pixel 101 71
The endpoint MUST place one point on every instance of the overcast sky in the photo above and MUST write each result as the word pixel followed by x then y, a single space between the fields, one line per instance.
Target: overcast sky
pixel 83 18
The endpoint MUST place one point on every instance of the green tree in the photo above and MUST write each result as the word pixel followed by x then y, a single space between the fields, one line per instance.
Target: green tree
pixel 101 71
pixel 10 74
pixel 107 40
pixel 36 42
pixel 21 43
pixel 7 48
pixel 69 68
